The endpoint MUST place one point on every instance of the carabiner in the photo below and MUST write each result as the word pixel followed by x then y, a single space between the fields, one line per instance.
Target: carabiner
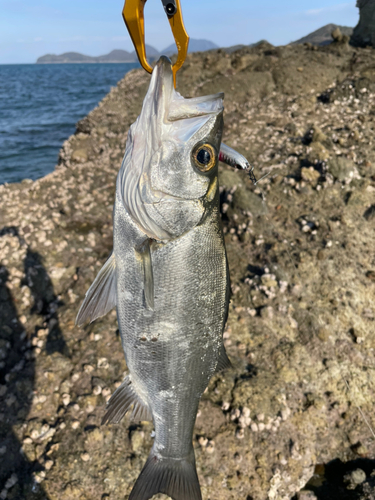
pixel 134 20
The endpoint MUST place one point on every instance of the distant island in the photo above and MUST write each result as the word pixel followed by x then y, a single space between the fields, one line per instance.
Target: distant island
pixel 123 56
pixel 321 36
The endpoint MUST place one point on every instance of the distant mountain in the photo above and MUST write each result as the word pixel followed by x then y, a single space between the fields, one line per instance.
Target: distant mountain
pixel 151 53
pixel 122 56
pixel 322 36
pixel 67 57
pixel 195 45
pixel 116 56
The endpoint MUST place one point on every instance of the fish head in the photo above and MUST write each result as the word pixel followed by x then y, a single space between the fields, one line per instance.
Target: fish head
pixel 168 178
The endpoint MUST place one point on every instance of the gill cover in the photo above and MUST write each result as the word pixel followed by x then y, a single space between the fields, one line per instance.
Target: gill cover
pixel 158 183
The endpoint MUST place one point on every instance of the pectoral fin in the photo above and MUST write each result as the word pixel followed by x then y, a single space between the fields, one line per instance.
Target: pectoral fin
pixel 148 276
pixel 101 296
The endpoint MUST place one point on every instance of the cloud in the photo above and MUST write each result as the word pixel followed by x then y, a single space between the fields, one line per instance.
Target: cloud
pixel 38 39
pixel 331 8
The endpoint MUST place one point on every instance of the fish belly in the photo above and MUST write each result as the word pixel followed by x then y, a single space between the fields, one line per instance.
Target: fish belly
pixel 172 349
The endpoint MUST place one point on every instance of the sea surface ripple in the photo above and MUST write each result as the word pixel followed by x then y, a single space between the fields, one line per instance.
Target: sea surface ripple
pixel 39 107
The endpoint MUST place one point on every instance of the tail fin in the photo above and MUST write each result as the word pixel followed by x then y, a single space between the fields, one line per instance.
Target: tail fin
pixel 175 478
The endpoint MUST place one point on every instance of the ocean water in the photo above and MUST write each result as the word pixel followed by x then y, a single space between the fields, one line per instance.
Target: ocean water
pixel 39 107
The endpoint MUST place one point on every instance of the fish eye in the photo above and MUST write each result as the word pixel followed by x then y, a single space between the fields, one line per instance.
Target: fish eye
pixel 204 156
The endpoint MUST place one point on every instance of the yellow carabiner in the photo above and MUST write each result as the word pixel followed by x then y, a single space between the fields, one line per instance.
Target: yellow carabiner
pixel 134 20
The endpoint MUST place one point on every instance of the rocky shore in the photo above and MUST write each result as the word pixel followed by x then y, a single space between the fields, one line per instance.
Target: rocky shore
pixel 294 418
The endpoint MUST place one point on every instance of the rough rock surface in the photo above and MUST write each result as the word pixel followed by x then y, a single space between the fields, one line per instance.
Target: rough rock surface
pixel 364 32
pixel 294 417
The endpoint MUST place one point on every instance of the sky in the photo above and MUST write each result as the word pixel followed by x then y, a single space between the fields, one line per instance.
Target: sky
pixel 32 28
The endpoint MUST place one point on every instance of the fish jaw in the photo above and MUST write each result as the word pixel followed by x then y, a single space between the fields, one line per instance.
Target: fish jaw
pixel 158 183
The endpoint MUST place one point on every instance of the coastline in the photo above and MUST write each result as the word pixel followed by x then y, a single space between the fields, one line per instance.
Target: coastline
pixel 303 282
pixel 89 62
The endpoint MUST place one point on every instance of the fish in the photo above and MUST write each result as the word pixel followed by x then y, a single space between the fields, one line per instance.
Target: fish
pixel 167 276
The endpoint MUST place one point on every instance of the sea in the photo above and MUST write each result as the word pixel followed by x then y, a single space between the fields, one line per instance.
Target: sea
pixel 40 105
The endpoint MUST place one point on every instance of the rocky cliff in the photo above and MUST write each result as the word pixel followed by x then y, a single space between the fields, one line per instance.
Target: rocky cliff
pixel 294 418
pixel 364 32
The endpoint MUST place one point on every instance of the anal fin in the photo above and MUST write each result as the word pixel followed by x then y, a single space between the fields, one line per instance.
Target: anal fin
pixel 101 296
pixel 223 361
pixel 120 403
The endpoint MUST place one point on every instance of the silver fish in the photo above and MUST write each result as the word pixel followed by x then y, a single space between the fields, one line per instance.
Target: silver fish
pixel 167 276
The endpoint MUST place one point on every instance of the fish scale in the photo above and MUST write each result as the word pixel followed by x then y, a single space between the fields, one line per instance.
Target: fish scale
pixel 191 301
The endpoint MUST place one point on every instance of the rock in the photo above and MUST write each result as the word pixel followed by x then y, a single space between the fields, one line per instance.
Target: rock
pixel 340 168
pixel 246 200
pixel 243 62
pixel 337 35
pixel 364 32
pixel 230 179
pixel 137 440
pixel 79 155
pixel 354 478
pixel 318 135
pixel 310 175
pixel 306 495
pixel 317 152
pixel 85 457
pixel 369 214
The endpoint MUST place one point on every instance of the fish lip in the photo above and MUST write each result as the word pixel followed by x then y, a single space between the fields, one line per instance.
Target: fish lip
pixel 171 106
pixel 162 80
pixel 164 61
pixel 163 70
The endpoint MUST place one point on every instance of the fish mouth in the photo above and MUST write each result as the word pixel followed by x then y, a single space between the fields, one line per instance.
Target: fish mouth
pixel 170 105
pixel 161 88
